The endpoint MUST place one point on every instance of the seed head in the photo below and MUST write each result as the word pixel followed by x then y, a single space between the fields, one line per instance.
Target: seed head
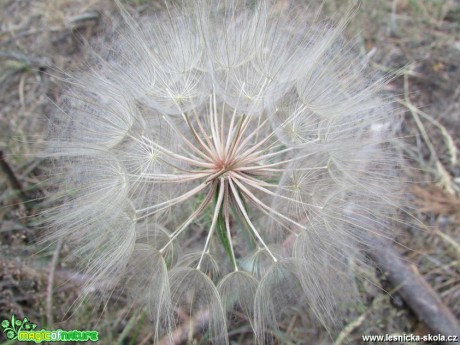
pixel 225 157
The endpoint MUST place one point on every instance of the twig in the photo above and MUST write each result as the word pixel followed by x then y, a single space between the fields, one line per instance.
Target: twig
pixel 190 327
pixel 357 322
pixel 49 289
pixel 413 288
pixel 11 179
pixel 29 60
pixel 147 339
pixel 348 329
pixel 449 240
pixel 80 20
pixel 445 178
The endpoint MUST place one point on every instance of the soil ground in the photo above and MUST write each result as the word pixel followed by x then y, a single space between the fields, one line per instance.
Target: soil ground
pixel 416 41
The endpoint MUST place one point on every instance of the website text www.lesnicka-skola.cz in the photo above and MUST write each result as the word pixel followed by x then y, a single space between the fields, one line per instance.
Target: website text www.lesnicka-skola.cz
pixel 411 338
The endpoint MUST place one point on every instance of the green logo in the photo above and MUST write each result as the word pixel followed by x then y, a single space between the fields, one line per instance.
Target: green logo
pixel 12 328
pixel 24 330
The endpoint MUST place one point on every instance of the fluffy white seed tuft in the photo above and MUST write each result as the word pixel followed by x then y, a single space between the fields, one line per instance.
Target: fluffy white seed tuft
pixel 225 158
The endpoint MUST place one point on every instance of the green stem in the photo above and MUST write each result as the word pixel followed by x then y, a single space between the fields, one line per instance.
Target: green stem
pixel 221 230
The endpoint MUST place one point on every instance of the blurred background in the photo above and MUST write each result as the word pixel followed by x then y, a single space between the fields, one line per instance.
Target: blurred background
pixel 417 42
